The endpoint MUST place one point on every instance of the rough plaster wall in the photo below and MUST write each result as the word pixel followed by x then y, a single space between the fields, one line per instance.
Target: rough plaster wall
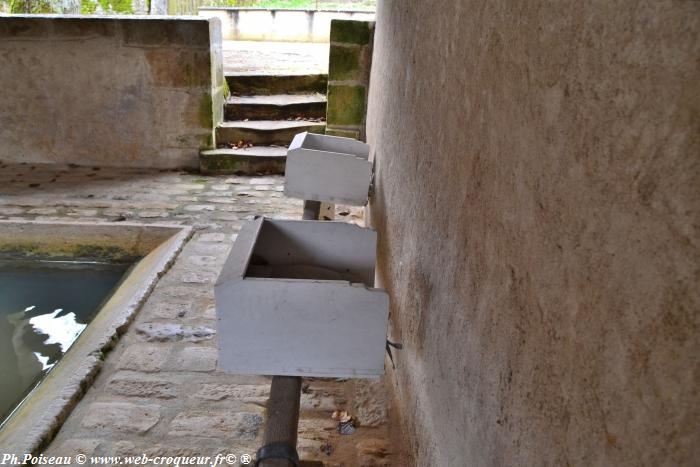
pixel 108 91
pixel 538 207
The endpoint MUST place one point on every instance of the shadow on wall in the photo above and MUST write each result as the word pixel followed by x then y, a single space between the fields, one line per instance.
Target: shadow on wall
pixel 537 207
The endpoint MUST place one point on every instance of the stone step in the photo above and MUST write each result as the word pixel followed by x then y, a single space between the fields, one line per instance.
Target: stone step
pixel 275 107
pixel 265 132
pixel 276 84
pixel 246 161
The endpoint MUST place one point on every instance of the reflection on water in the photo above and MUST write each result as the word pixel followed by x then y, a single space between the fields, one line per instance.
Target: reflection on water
pixel 62 330
pixel 44 307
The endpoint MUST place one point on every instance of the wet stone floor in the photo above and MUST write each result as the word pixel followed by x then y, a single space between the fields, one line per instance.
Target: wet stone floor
pixel 159 392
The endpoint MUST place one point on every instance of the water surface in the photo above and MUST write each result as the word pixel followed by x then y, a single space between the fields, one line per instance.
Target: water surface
pixel 44 307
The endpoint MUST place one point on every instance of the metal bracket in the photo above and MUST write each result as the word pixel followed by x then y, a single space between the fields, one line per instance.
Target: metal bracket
pixel 277 451
pixel 395 345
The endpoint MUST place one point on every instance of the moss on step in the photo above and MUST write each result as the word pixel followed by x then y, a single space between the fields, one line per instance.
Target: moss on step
pixel 225 164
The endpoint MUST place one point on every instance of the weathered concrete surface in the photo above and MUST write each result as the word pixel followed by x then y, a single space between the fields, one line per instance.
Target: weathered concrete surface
pixel 109 91
pixel 158 392
pixel 538 209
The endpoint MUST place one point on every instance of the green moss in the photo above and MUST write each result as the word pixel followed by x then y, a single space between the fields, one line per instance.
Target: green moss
pixel 346 105
pixel 344 63
pixel 318 129
pixel 350 32
pixel 28 249
pixel 103 253
pixel 355 134
pixel 227 91
pixel 216 164
pixel 206 115
pixel 69 252
pixel 227 164
pixel 207 142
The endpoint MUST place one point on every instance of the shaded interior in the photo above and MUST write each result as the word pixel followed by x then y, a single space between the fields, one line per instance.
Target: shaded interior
pixel 280 254
pixel 338 145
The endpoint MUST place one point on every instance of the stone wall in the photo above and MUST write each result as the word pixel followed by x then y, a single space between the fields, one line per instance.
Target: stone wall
pixel 349 65
pixel 109 91
pixel 538 208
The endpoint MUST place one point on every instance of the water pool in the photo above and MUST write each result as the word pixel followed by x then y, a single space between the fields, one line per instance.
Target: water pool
pixel 53 395
pixel 44 307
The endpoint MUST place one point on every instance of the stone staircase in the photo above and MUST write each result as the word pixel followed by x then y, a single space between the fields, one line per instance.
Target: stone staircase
pixel 261 117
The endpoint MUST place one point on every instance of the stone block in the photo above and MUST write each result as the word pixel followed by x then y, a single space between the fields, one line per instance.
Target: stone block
pixel 122 416
pixel 193 33
pixel 173 332
pixel 168 309
pixel 346 105
pixel 351 32
pixel 197 359
pixel 146 358
pixel 253 393
pixel 179 68
pixel 153 214
pixel 140 387
pixel 23 27
pixel 216 424
pixel 344 63
pixel 74 446
pixel 371 405
pixel 82 27
pixel 199 277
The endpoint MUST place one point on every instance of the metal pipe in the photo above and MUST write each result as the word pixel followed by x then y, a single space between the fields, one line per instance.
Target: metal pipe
pixel 282 417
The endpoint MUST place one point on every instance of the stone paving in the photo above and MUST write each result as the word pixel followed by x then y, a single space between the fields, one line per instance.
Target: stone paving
pixel 159 392
pixel 275 58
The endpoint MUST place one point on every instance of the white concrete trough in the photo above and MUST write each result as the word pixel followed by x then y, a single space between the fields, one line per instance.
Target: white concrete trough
pixel 328 168
pixel 295 298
